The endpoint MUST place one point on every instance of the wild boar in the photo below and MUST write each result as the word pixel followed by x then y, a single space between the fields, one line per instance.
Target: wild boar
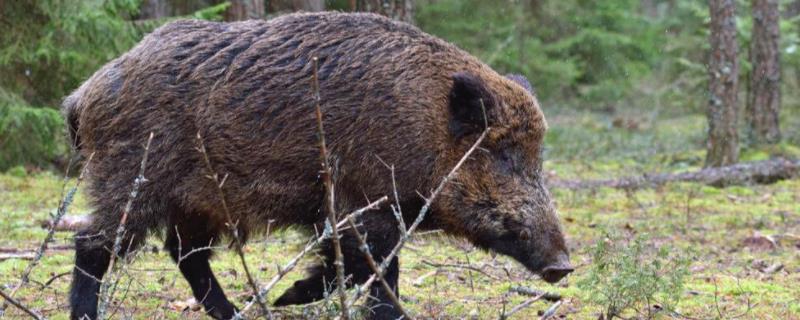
pixel 390 93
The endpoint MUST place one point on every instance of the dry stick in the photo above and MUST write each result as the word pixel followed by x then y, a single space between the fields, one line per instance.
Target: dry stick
pixel 519 307
pixel 310 246
pixel 19 305
pixel 550 311
pixel 549 296
pixel 374 266
pixel 420 217
pixel 234 227
pixel 104 285
pixel 329 195
pixel 468 267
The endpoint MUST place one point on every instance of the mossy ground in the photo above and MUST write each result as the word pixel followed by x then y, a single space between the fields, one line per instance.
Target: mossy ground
pixel 705 223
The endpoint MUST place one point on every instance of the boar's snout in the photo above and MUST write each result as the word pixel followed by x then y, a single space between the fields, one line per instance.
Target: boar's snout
pixel 558 270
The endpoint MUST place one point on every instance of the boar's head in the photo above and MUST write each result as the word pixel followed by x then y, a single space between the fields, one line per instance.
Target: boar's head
pixel 498 199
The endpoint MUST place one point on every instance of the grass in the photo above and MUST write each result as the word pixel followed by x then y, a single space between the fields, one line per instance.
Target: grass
pixel 706 224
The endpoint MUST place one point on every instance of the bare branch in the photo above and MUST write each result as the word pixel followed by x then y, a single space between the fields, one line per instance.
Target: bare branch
pixel 137 183
pixel 549 296
pixel 519 307
pixel 374 266
pixel 425 208
pixel 282 271
pixel 329 204
pixel 468 267
pixel 20 306
pixel 232 226
pixel 550 311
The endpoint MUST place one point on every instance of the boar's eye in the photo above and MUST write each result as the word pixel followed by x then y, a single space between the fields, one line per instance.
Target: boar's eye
pixel 505 160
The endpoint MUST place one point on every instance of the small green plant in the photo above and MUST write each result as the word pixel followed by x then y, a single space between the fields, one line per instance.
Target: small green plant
pixel 631 276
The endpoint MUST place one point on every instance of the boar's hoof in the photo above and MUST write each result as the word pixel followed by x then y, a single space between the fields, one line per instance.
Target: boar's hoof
pixel 224 312
pixel 301 292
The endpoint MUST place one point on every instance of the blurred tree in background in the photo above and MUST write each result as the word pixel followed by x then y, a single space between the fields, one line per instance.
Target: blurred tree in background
pixel 764 95
pixel 723 72
pixel 610 56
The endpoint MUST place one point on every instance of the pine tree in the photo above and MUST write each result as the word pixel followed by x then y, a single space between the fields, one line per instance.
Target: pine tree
pixel 723 69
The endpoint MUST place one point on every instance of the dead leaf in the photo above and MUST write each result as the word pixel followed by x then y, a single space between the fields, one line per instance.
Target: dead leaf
pixel 773 268
pixel 759 242
pixel 185 305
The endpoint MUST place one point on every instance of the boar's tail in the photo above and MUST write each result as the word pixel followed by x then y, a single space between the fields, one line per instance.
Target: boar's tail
pixel 71 110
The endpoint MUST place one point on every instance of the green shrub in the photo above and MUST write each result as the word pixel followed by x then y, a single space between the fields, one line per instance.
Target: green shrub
pixel 627 276
pixel 32 136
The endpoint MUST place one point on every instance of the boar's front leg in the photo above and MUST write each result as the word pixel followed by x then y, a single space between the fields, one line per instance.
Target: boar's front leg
pixel 189 243
pixel 382 235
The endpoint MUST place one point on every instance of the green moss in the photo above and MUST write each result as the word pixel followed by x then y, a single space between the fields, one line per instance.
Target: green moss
pixel 707 221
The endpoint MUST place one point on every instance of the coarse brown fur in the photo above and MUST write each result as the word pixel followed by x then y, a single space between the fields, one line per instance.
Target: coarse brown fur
pixel 388 91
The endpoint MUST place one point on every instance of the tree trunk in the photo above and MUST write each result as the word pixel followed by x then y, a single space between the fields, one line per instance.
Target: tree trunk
pixel 158 9
pixel 244 10
pixel 154 9
pixel 764 102
pixel 723 69
pixel 791 9
pixel 402 10
pixel 296 5
pixel 309 5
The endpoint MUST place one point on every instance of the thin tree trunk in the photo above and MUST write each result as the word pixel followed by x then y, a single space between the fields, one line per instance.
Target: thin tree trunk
pixel 402 10
pixel 791 9
pixel 309 5
pixel 764 103
pixel 296 5
pixel 723 69
pixel 154 9
pixel 159 9
pixel 244 10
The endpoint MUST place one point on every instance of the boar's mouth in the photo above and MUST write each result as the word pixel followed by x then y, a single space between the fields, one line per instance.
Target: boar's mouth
pixel 550 267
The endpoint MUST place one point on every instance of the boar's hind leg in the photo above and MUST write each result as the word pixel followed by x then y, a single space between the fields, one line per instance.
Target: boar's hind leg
pixel 189 243
pixel 382 235
pixel 92 256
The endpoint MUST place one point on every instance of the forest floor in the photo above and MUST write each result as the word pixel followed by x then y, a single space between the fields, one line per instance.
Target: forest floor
pixel 741 242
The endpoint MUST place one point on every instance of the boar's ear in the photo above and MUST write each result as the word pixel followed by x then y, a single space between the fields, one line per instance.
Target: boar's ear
pixel 470 101
pixel 521 80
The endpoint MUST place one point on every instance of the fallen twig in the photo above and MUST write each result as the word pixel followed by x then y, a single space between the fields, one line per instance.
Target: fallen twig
pixel 549 296
pixel 19 305
pixel 419 281
pixel 25 255
pixel 67 223
pixel 31 251
pixel 519 307
pixel 550 311
pixel 53 278
pixel 460 266
pixel 766 171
